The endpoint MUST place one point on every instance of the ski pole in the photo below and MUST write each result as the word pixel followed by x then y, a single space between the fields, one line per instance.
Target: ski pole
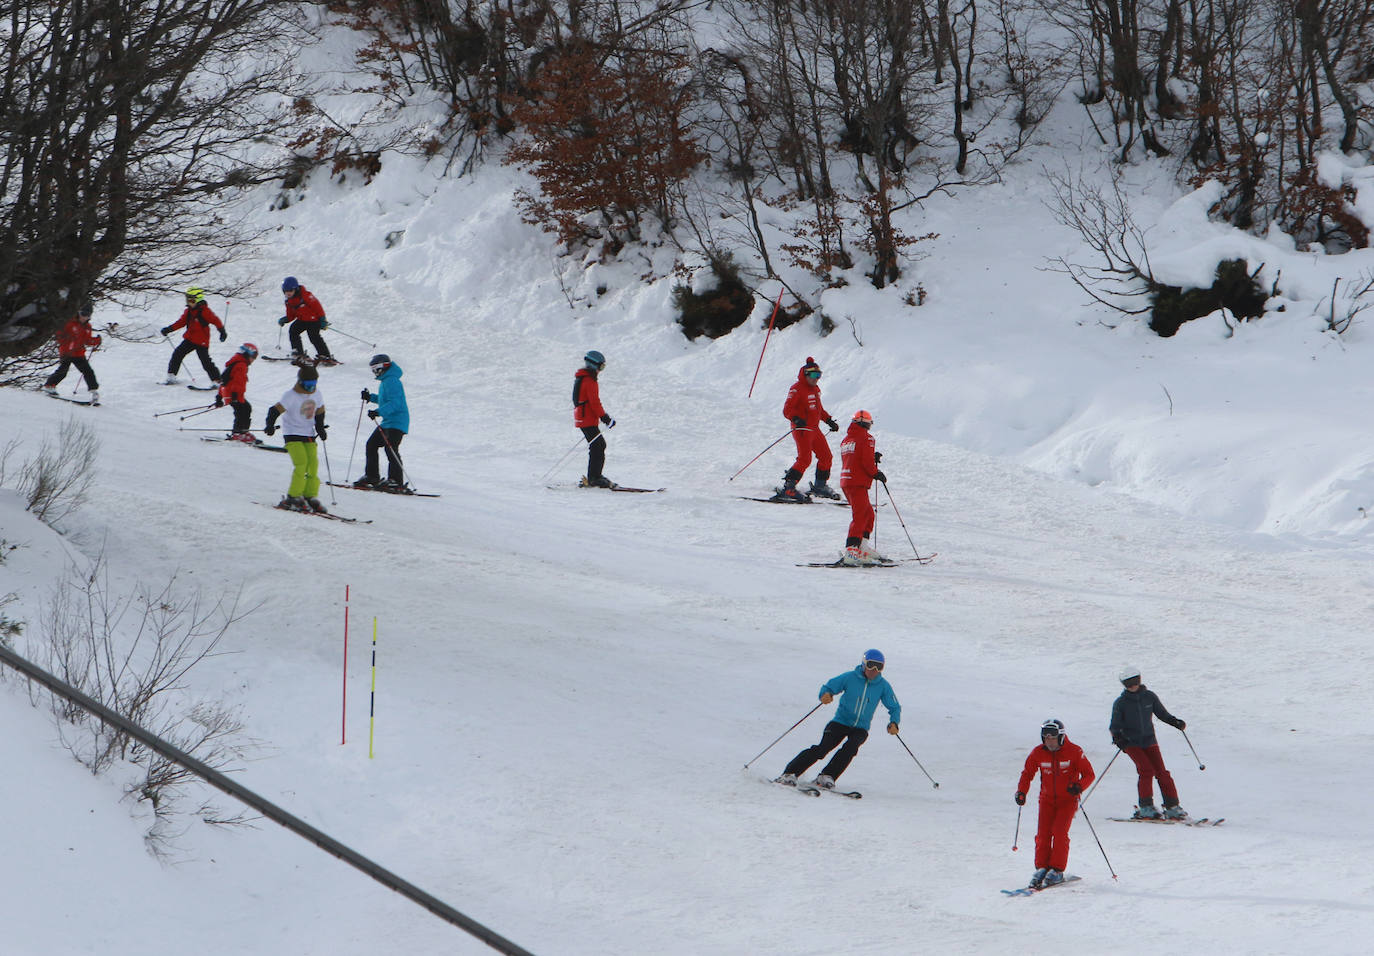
pixel 1099 777
pixel 601 436
pixel 1200 764
pixel 918 763
pixel 333 498
pixel 783 734
pixel 759 455
pixel 207 408
pixel 405 476
pixel 1099 842
pixel 356 429
pixel 1016 838
pixel 900 521
pixel 184 429
pixel 179 410
pixel 335 330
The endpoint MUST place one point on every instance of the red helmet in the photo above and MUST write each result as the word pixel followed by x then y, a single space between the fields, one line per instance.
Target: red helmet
pixel 249 350
pixel 862 417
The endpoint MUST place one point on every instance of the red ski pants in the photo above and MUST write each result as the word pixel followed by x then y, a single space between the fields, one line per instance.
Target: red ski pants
pixel 1052 834
pixel 1149 765
pixel 810 441
pixel 861 524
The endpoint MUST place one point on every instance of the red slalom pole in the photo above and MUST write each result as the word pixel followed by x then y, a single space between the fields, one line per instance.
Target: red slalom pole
pixel 343 732
pixel 771 318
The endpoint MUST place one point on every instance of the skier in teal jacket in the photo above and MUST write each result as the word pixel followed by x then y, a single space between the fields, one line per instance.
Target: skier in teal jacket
pixel 860 691
pixel 393 426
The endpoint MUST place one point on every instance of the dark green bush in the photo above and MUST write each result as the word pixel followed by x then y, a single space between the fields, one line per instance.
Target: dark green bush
pixel 1234 288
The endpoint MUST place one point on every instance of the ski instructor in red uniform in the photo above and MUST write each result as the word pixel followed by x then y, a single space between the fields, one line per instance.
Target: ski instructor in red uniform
pixel 1064 774
pixel 804 410
pixel 858 470
pixel 587 413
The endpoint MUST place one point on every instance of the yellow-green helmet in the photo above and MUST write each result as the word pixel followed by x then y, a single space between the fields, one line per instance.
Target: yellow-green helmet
pixel 195 296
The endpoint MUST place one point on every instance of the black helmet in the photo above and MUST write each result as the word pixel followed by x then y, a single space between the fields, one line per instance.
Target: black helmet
pixel 1051 727
pixel 380 363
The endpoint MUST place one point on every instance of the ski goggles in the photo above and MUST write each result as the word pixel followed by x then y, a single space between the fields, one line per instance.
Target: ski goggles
pixel 874 665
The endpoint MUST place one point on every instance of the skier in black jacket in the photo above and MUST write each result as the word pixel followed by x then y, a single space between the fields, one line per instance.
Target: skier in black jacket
pixel 1133 730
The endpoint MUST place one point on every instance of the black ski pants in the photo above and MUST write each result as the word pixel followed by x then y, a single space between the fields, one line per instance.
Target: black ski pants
pixel 82 366
pixel 379 439
pixel 243 417
pixel 185 348
pixel 311 329
pixel 596 451
pixel 853 739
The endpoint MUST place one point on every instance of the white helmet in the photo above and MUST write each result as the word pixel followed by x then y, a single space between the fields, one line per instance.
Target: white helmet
pixel 1128 674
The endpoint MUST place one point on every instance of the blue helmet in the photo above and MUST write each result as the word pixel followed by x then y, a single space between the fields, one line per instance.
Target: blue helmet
pixel 289 284
pixel 875 655
pixel 595 360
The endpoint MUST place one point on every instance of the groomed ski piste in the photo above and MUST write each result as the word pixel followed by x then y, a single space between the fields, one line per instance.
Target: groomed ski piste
pixel 569 682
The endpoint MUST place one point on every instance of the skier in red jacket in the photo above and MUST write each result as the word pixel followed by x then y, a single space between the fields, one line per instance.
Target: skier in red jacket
pixel 804 410
pixel 306 315
pixel 1064 773
pixel 197 320
pixel 233 390
pixel 858 470
pixel 72 341
pixel 587 412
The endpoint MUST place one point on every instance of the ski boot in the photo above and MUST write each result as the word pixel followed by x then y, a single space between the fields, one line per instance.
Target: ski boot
pixel 1175 812
pixel 825 781
pixel 787 780
pixel 50 389
pixel 788 491
pixel 1054 877
pixel 291 503
pixel 819 487
pixel 1146 811
pixel 600 481
pixel 1038 878
pixel 95 397
pixel 315 505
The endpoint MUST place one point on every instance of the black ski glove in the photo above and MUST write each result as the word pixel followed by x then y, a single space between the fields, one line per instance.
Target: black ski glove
pixel 372 413
pixel 1119 739
pixel 1181 724
pixel 270 428
pixel 879 476
pixel 877 457
pixel 1074 789
pixel 608 421
pixel 367 396
pixel 166 330
pixel 799 423
pixel 322 430
pixel 834 426
pixel 1020 799
pixel 272 416
pixel 223 335
pixel 219 401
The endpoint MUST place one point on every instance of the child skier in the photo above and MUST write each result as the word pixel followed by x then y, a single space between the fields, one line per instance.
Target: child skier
pixel 858 470
pixel 395 422
pixel 234 390
pixel 1064 773
pixel 197 320
pixel 587 412
pixel 804 410
pixel 306 315
pixel 72 341
pixel 303 408
pixel 1133 730
pixel 860 690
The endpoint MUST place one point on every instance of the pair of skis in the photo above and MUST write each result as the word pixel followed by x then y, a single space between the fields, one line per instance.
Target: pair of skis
pixel 74 401
pixel 812 790
pixel 386 491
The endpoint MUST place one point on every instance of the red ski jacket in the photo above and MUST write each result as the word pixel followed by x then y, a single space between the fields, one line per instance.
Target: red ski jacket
pixel 857 466
pixel 234 381
pixel 1057 770
pixel 804 401
pixel 75 337
pixel 197 321
pixel 304 307
pixel 586 396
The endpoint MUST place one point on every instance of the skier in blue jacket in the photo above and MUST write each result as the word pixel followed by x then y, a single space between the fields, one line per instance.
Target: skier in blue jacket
pixel 393 426
pixel 860 691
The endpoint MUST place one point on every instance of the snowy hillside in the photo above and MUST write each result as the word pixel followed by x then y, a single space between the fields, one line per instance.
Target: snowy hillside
pixel 569 682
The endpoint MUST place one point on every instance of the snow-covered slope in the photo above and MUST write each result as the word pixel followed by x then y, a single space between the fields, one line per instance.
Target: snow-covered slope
pixel 568 683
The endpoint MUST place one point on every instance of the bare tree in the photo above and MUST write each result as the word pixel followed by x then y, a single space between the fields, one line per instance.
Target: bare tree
pixel 124 127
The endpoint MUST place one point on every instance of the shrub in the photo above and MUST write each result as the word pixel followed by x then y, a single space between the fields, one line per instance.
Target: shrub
pixel 719 311
pixel 1233 289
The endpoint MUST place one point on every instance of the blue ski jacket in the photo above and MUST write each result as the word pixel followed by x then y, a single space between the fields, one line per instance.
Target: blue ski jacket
pixel 859 698
pixel 391 400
